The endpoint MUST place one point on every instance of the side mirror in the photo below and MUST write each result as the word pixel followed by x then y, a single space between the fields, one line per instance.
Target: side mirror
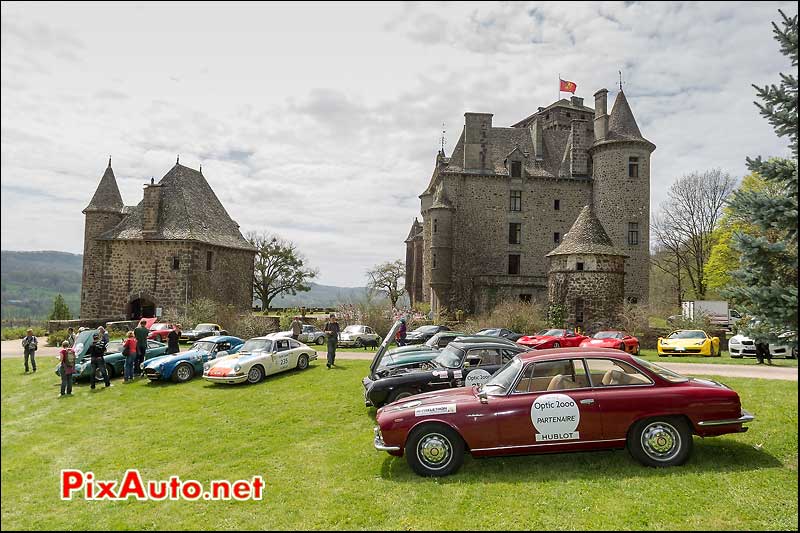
pixel 483 396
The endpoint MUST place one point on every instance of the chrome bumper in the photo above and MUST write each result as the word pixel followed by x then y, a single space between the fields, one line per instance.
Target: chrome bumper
pixel 745 418
pixel 380 446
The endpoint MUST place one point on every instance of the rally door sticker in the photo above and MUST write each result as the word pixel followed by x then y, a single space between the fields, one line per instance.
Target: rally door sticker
pixel 445 409
pixel 555 417
pixel 477 377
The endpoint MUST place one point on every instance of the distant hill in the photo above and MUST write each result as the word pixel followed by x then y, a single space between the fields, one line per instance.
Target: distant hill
pixel 30 281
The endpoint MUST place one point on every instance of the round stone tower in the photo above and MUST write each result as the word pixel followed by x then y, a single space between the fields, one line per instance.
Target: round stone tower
pixel 440 215
pixel 621 190
pixel 587 275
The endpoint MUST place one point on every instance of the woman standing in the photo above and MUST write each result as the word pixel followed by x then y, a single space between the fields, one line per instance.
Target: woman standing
pixel 129 351
pixel 67 358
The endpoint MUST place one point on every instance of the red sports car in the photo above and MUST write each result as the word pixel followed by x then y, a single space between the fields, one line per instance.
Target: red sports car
pixel 561 401
pixel 160 331
pixel 613 339
pixel 552 338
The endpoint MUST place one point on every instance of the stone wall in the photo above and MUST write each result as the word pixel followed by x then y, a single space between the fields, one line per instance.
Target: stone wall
pixel 598 289
pixel 96 223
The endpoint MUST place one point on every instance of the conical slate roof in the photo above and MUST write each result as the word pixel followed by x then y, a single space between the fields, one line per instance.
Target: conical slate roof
pixel 189 210
pixel 621 124
pixel 416 227
pixel 440 198
pixel 106 197
pixel 586 236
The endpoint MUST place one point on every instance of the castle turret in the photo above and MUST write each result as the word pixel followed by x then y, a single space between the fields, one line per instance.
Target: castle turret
pixel 440 224
pixel 621 193
pixel 587 274
pixel 104 211
pixel 414 263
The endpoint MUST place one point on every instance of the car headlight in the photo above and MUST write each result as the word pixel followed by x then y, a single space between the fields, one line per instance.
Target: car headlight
pixel 237 368
pixel 206 367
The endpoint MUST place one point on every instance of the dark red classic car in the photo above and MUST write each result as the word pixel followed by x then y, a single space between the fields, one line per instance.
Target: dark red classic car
pixel 552 338
pixel 613 339
pixel 574 399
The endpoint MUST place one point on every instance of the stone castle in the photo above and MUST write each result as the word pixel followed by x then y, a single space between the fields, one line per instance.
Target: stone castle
pixel 176 245
pixel 507 197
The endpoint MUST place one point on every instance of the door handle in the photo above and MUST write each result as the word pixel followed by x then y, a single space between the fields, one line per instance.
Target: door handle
pixel 588 401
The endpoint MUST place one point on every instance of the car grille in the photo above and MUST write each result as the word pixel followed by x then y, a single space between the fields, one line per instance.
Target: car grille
pixel 685 350
pixel 748 343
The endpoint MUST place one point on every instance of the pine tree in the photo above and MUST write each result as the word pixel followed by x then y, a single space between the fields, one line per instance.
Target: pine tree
pixel 766 287
pixel 60 309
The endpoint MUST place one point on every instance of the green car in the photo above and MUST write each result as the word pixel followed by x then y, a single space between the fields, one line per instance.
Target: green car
pixel 115 361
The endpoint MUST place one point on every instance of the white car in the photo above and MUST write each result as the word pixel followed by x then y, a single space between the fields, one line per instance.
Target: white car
pixel 358 336
pixel 309 335
pixel 259 357
pixel 740 346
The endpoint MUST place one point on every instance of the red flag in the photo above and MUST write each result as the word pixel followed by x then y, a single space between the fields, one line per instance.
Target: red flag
pixel 567 86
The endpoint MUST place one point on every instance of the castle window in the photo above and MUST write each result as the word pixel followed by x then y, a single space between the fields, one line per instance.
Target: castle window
pixel 568 115
pixel 579 310
pixel 209 259
pixel 579 266
pixel 633 233
pixel 516 169
pixel 632 299
pixel 176 262
pixel 513 264
pixel 556 204
pixel 525 298
pixel 516 201
pixel 556 237
pixel 514 233
pixel 433 260
pixel 633 167
pixel 435 226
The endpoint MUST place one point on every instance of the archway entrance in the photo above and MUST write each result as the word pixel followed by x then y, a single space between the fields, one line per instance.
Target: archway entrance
pixel 142 308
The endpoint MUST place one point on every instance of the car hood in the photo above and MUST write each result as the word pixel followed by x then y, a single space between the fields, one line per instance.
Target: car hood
pixel 240 357
pixel 536 338
pixel 444 398
pixel 682 342
pixel 418 334
pixel 382 349
pixel 601 342
pixel 739 339
pixel 408 349
pixel 411 359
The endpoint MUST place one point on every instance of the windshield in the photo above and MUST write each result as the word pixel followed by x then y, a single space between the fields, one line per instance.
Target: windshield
pixel 114 347
pixel 450 357
pixel 608 335
pixel 669 375
pixel 502 380
pixel 204 327
pixel 204 346
pixel 353 329
pixel 257 345
pixel 158 327
pixel 427 329
pixel 551 333
pixel 491 332
pixel 687 334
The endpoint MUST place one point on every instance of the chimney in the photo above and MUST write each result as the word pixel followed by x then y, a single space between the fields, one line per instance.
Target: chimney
pixel 476 140
pixel 577 101
pixel 538 141
pixel 600 114
pixel 152 206
pixel 579 155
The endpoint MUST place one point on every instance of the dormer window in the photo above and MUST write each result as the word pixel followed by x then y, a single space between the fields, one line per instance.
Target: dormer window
pixel 516 169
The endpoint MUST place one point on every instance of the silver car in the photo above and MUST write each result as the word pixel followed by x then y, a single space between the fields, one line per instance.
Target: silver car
pixel 309 335
pixel 358 336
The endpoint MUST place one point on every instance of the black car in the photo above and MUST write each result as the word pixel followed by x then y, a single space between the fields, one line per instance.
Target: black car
pixel 457 365
pixel 502 333
pixel 423 333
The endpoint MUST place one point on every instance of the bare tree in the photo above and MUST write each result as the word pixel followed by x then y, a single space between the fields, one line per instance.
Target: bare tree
pixel 684 224
pixel 386 277
pixel 279 268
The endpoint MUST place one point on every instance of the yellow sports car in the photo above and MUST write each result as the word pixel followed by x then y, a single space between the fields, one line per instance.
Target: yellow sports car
pixel 688 341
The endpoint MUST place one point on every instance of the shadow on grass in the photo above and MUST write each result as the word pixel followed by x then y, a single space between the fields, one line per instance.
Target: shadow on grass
pixel 708 456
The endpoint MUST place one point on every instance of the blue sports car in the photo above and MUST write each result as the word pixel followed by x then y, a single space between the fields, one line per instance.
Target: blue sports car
pixel 181 367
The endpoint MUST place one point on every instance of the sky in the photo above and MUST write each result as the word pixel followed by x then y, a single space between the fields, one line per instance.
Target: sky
pixel 321 122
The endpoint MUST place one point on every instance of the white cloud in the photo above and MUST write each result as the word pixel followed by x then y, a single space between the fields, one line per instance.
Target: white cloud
pixel 322 123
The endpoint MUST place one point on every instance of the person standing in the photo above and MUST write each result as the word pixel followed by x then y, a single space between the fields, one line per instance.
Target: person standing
pixel 67 359
pixel 141 333
pixel 297 328
pixel 400 337
pixel 130 353
pixel 104 338
pixel 332 331
pixel 173 338
pixel 96 352
pixel 71 337
pixel 762 352
pixel 29 345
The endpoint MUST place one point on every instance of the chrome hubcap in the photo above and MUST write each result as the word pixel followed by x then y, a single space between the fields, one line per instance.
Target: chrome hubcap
pixel 434 451
pixel 254 375
pixel 183 373
pixel 661 441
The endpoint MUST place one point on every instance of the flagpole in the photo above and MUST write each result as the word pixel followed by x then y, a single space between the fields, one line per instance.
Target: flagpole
pixel 559 88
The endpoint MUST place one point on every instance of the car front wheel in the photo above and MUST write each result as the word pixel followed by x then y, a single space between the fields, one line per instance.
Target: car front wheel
pixel 255 375
pixel 320 340
pixel 556 344
pixel 660 442
pixel 183 373
pixel 434 450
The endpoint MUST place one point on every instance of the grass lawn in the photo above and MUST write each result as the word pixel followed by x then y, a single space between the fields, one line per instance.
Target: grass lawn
pixel 310 436
pixel 724 359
